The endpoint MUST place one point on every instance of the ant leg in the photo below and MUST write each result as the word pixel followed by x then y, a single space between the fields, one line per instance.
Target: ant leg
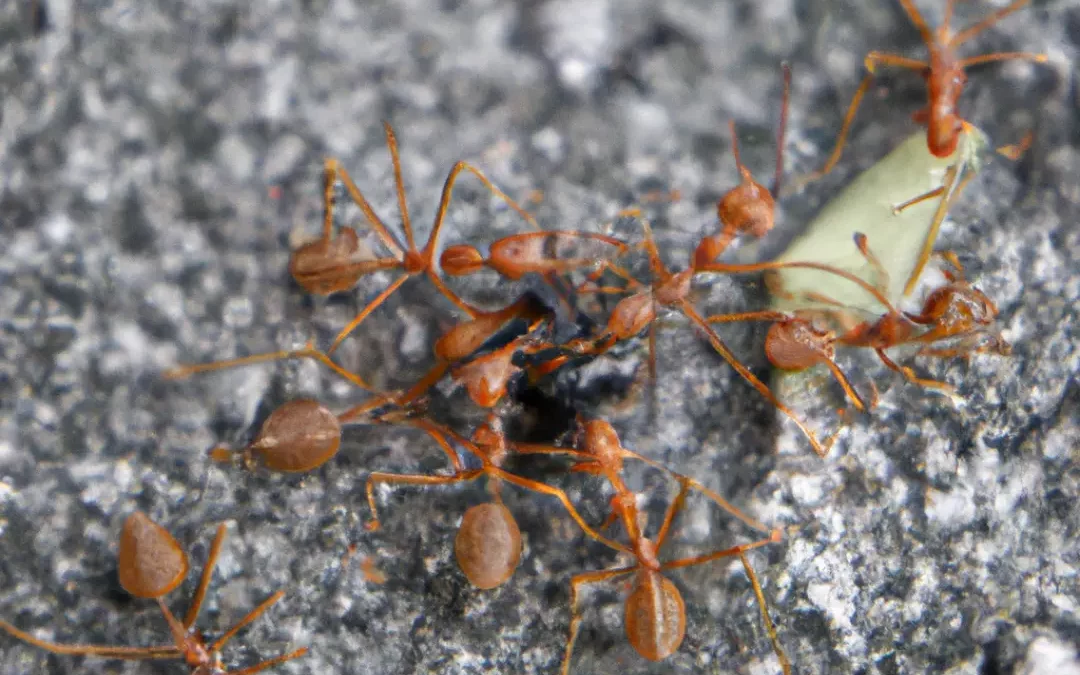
pixel 841 139
pixel 543 488
pixel 204 580
pixel 873 59
pixel 440 217
pixel 1002 56
pixel 863 245
pixel 433 431
pixel 673 509
pixel 986 22
pixel 308 352
pixel 251 616
pixel 399 185
pixel 263 665
pixel 910 375
pixel 371 306
pixel 765 315
pixel 334 171
pixel 745 373
pixel 103 651
pixel 575 613
pixel 725 553
pixel 410 479
pixel 953 184
pixel 453 297
pixel 920 23
pixel 425 383
pixel 993 344
pixel 902 206
pixel 785 665
pixel 849 390
pixel 700 487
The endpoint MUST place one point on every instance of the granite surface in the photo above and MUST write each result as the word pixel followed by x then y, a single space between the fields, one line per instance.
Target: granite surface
pixel 158 159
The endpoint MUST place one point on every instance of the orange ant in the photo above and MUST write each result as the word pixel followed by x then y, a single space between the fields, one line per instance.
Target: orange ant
pixel 152 565
pixel 303 434
pixel 636 312
pixel 488 543
pixel 336 263
pixel 466 338
pixel 956 310
pixel 655 616
pixel 748 208
pixel 944 74
pixel 485 376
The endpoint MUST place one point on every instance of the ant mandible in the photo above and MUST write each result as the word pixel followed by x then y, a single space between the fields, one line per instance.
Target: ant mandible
pixel 152 565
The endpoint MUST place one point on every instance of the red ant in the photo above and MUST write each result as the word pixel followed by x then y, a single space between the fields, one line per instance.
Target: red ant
pixel 636 312
pixel 944 74
pixel 456 345
pixel 654 612
pixel 152 565
pixel 488 543
pixel 956 310
pixel 335 263
pixel 748 207
pixel 486 376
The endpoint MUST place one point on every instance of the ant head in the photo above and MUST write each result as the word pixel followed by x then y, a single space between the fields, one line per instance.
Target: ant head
pixel 943 134
pixel 151 562
pixel 602 442
pixel 298 436
pixel 973 304
pixel 201 660
pixel 490 436
pixel 747 208
pixel 486 377
pixel 461 260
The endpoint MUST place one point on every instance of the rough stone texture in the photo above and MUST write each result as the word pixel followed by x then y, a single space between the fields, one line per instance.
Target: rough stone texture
pixel 157 160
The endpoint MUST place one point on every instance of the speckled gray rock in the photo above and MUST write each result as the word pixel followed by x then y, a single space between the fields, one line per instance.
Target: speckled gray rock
pixel 158 159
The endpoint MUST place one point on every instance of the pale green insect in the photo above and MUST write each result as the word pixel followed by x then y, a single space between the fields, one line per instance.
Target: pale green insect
pixel 900 239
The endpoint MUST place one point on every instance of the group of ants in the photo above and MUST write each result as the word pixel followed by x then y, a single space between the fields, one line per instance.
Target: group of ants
pixel 491 352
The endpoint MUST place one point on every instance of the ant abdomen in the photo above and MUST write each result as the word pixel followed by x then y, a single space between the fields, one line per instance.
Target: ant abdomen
pixel 299 436
pixel 316 266
pixel 152 564
pixel 488 545
pixel 655 616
